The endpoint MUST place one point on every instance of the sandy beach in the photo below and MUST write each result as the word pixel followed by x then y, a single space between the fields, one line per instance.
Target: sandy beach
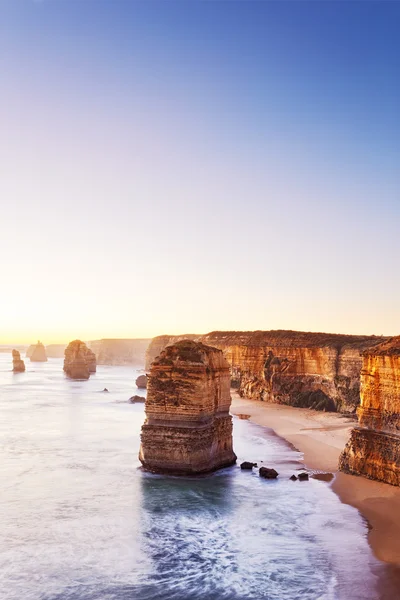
pixel 321 437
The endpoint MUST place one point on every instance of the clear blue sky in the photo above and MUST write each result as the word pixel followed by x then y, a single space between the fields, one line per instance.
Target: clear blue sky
pixel 168 167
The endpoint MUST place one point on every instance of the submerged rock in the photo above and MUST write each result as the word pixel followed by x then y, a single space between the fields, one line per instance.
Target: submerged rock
pixel 188 428
pixel 79 361
pixel 247 465
pixel 38 353
pixel 18 363
pixel 268 473
pixel 141 382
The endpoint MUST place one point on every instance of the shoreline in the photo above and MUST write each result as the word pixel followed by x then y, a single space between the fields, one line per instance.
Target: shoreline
pixel 321 437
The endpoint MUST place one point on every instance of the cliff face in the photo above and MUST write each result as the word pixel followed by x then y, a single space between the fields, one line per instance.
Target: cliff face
pixel 79 360
pixel 374 448
pixel 120 352
pixel 37 353
pixel 188 428
pixel 18 364
pixel 315 370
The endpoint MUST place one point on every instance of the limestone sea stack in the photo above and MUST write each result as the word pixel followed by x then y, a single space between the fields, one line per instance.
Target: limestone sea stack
pixel 79 361
pixel 18 363
pixel 38 353
pixel 188 429
pixel 373 449
pixel 141 382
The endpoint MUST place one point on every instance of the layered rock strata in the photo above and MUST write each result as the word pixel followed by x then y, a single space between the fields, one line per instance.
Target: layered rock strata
pixel 373 449
pixel 188 429
pixel 18 363
pixel 37 353
pixel 120 351
pixel 79 361
pixel 315 370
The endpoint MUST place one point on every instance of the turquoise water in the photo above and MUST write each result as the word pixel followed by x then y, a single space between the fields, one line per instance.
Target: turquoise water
pixel 80 520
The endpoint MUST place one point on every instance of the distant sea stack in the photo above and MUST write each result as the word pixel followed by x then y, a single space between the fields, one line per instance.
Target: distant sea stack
pixel 18 363
pixel 188 429
pixel 79 361
pixel 310 370
pixel 373 449
pixel 141 382
pixel 37 353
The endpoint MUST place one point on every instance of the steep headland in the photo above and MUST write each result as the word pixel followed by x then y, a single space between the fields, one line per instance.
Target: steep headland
pixel 188 428
pixel 79 361
pixel 373 449
pixel 316 370
pixel 120 351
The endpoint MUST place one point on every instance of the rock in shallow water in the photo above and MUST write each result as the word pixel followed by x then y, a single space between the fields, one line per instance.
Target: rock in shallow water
pixel 247 465
pixel 302 476
pixel 268 473
pixel 18 363
pixel 136 398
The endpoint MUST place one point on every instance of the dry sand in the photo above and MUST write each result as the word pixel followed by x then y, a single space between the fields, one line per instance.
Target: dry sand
pixel 321 437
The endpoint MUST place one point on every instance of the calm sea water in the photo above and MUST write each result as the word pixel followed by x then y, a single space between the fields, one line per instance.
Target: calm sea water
pixel 81 521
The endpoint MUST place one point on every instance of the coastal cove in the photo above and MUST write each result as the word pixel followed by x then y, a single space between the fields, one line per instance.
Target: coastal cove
pixel 321 438
pixel 83 521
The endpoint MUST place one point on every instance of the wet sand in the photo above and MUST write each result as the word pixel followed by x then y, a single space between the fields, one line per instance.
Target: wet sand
pixel 321 437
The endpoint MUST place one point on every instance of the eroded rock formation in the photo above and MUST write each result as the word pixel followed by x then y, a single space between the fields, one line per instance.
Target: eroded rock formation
pixel 141 382
pixel 188 428
pixel 120 351
pixel 79 360
pixel 37 353
pixel 316 370
pixel 18 363
pixel 373 449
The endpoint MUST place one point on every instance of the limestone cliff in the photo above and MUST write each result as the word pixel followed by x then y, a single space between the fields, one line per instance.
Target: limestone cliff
pixel 79 360
pixel 120 351
pixel 18 364
pixel 188 428
pixel 374 447
pixel 315 370
pixel 37 353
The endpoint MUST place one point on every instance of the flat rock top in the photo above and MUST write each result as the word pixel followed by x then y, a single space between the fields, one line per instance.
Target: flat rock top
pixel 390 347
pixel 188 351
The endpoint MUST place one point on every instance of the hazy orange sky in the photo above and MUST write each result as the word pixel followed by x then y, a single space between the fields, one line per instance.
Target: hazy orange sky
pixel 170 167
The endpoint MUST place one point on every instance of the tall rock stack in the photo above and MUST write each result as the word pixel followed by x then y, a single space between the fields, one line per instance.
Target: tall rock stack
pixel 18 363
pixel 373 449
pixel 79 361
pixel 188 428
pixel 38 353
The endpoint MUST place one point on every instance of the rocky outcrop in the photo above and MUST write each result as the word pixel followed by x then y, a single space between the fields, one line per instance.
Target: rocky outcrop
pixel 37 353
pixel 188 428
pixel 79 361
pixel 120 351
pixel 141 382
pixel 373 449
pixel 18 364
pixel 315 370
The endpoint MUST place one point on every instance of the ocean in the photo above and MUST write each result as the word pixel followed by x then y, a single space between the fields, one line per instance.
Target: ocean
pixel 80 519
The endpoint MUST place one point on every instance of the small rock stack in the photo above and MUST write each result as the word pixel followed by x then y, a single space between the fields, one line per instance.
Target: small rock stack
pixel 18 363
pixel 79 361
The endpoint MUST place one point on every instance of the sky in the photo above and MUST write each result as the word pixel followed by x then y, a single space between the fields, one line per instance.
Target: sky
pixel 189 166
